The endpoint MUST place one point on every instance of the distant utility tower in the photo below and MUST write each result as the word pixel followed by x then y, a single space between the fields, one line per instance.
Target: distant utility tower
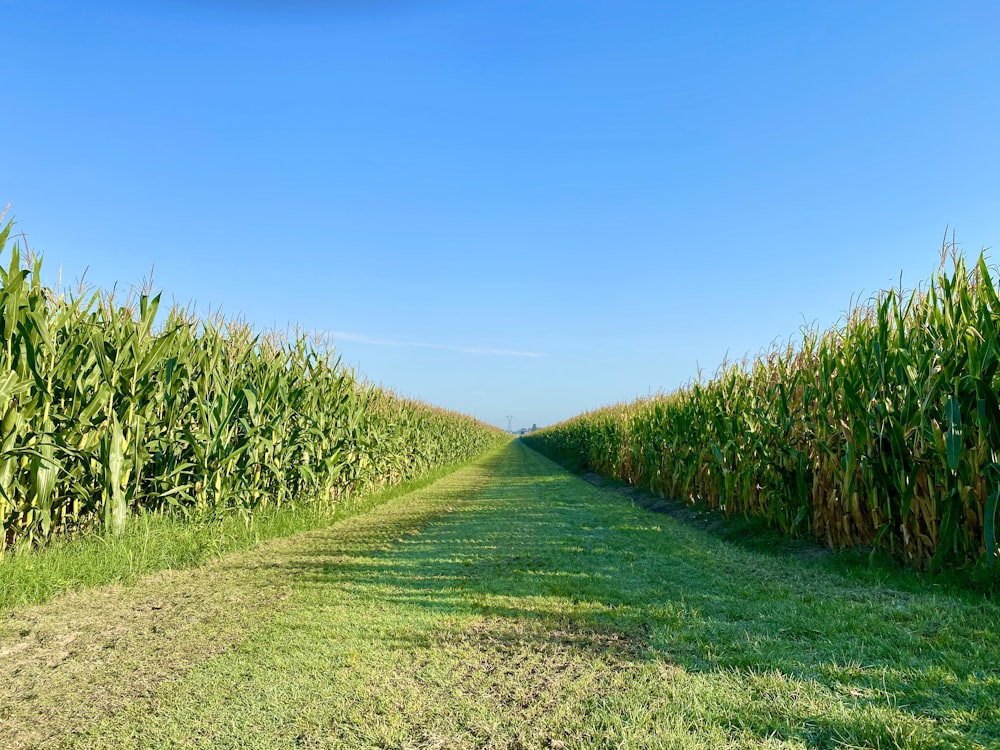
pixel 509 418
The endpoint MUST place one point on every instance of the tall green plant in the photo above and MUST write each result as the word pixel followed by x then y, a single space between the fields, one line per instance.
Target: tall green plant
pixel 884 430
pixel 104 411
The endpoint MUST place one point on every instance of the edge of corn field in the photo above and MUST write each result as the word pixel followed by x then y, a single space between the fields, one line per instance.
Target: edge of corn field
pixel 881 432
pixel 155 542
pixel 754 534
pixel 108 412
pixel 131 443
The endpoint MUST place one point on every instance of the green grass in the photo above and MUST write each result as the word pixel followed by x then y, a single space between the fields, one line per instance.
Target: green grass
pixel 512 605
pixel 153 542
pixel 756 534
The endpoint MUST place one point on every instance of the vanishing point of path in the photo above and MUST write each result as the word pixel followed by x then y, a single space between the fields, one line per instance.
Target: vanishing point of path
pixel 508 605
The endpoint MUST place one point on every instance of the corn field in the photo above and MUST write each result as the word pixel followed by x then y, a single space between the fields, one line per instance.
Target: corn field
pixel 104 411
pixel 882 431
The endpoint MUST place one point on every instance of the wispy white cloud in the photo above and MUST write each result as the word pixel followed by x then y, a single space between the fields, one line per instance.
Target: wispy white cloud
pixel 361 338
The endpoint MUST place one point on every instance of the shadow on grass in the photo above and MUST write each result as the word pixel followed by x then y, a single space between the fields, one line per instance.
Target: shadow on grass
pixel 573 566
pixel 755 533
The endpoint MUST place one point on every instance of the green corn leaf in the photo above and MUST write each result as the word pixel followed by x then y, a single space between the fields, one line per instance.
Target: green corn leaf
pixel 990 518
pixel 953 436
pixel 115 478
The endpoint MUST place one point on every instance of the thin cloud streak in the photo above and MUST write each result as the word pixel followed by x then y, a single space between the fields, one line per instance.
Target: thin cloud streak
pixel 360 338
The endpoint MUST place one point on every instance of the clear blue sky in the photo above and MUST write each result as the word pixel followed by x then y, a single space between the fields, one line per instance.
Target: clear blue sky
pixel 627 190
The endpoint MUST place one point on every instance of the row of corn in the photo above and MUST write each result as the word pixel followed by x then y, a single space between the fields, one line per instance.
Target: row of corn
pixel 104 410
pixel 882 431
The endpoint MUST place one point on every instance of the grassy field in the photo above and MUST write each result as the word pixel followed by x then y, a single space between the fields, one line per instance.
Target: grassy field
pixel 508 605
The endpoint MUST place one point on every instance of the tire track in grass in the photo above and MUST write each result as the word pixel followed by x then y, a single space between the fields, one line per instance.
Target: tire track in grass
pixel 539 611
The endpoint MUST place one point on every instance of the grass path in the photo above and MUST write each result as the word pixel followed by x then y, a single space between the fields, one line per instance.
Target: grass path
pixel 509 605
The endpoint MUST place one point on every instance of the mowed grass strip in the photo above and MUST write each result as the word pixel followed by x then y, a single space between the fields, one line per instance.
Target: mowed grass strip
pixel 531 610
pixel 80 658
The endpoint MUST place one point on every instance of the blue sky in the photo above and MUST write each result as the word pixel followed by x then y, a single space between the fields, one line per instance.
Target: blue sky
pixel 511 207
